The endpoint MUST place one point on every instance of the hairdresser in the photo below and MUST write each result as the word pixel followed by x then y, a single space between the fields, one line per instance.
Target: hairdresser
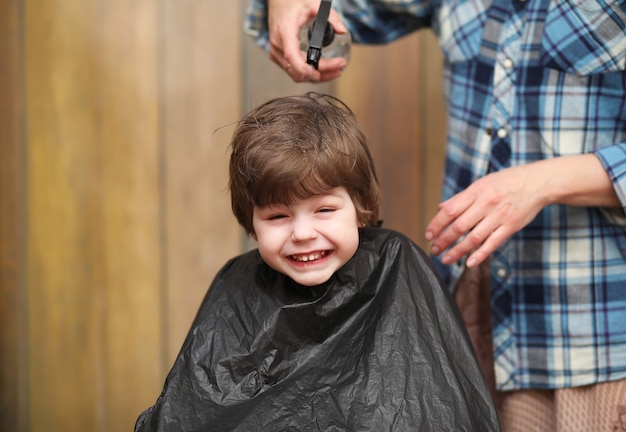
pixel 530 233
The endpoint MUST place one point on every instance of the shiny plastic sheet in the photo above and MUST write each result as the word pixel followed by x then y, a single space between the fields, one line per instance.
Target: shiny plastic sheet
pixel 379 347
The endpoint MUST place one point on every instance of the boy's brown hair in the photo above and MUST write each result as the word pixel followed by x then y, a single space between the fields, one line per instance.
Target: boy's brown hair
pixel 292 148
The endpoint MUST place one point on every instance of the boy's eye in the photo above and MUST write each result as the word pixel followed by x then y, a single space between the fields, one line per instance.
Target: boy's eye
pixel 276 216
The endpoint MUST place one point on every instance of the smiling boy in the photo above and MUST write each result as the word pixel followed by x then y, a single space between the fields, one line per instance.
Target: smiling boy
pixel 310 239
pixel 331 324
pixel 298 167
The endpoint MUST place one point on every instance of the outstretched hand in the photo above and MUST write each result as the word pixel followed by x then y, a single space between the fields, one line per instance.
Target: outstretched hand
pixel 498 205
pixel 486 213
pixel 285 19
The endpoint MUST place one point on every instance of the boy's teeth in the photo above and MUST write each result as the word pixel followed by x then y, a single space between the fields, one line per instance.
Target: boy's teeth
pixel 310 257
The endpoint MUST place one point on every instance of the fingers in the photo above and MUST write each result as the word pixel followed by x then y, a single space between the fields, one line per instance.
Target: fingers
pixel 491 243
pixel 330 69
pixel 469 229
pixel 285 19
pixel 483 239
pixel 448 216
pixel 295 66
pixel 335 21
pixel 300 71
pixel 480 218
pixel 476 224
pixel 471 223
pixel 475 221
pixel 286 53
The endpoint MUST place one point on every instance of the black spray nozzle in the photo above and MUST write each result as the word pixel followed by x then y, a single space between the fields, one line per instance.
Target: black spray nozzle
pixel 321 34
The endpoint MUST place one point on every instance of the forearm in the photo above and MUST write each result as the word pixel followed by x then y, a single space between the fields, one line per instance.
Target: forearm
pixel 579 180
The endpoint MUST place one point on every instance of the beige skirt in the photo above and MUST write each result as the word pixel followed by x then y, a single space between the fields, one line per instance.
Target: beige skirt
pixel 595 408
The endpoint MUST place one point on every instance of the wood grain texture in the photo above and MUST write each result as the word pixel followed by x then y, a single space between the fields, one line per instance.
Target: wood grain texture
pixel 114 182
pixel 201 85
pixel 433 139
pixel 396 92
pixel 133 223
pixel 93 251
pixel 65 322
pixel 381 85
pixel 13 312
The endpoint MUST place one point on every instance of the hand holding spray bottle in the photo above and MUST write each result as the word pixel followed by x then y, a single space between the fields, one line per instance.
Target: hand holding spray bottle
pixel 319 40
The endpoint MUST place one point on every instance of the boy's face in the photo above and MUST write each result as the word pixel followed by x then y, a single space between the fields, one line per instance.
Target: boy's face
pixel 310 239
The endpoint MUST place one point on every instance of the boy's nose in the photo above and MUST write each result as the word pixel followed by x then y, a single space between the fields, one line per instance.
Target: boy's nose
pixel 303 229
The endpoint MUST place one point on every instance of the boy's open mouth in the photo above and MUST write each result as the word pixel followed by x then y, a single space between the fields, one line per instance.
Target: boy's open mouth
pixel 313 256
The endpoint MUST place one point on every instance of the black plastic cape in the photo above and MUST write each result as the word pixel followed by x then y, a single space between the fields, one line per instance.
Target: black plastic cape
pixel 379 347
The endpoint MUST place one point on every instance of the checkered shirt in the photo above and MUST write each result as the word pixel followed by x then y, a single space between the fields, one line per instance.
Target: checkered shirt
pixel 526 81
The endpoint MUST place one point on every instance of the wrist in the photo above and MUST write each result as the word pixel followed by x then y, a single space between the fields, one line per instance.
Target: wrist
pixel 578 180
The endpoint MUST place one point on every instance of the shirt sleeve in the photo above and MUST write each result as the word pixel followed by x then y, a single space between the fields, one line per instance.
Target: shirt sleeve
pixel 369 22
pixel 613 159
pixel 255 24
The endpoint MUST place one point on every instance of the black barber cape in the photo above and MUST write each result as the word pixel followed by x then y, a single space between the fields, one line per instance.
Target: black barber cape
pixel 379 347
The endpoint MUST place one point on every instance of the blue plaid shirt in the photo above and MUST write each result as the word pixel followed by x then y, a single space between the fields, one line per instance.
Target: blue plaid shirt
pixel 525 81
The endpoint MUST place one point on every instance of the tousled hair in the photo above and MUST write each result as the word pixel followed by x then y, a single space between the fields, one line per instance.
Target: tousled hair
pixel 292 148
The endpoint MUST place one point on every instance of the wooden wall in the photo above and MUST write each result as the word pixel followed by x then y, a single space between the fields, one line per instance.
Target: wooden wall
pixel 396 93
pixel 114 216
pixel 114 210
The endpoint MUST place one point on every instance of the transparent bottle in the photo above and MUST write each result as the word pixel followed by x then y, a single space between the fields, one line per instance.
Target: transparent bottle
pixel 333 45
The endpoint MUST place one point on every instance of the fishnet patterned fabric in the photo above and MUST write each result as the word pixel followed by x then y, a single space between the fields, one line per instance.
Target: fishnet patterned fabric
pixel 596 408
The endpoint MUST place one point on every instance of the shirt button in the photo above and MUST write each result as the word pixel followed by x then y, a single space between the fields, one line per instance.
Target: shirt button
pixel 507 63
pixel 502 133
pixel 501 272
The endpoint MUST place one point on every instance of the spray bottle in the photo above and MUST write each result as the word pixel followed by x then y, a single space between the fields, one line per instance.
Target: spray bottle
pixel 319 40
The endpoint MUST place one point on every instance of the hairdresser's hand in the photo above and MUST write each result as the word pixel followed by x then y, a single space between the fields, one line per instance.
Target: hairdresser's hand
pixel 285 19
pixel 498 205
pixel 488 212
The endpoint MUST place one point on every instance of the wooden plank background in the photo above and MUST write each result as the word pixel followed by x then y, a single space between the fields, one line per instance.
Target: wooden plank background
pixel 115 117
pixel 13 341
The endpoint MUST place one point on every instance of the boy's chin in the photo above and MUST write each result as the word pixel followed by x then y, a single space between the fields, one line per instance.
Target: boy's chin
pixel 311 281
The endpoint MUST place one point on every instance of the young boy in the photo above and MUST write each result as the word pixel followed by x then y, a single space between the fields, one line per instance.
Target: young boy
pixel 331 324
